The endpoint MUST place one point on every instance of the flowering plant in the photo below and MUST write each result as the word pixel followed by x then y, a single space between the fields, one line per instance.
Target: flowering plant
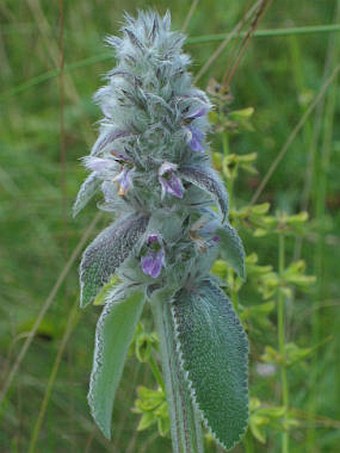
pixel 152 166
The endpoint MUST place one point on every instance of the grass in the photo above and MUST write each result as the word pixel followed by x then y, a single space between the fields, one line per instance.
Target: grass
pixel 288 74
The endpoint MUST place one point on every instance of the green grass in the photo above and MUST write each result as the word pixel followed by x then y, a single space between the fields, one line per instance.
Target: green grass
pixel 285 75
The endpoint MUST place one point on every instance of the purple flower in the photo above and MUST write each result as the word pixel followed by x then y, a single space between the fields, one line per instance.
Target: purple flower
pixel 124 180
pixel 154 258
pixel 195 139
pixel 195 136
pixel 169 181
pixel 201 111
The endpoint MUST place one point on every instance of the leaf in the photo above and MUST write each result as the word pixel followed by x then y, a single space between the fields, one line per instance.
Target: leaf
pixel 115 329
pixel 86 192
pixel 232 249
pixel 207 180
pixel 147 420
pixel 214 353
pixel 106 139
pixel 112 287
pixel 107 252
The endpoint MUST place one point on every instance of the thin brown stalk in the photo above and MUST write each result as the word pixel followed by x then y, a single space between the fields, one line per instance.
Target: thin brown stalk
pixel 230 72
pixel 53 52
pixel 247 16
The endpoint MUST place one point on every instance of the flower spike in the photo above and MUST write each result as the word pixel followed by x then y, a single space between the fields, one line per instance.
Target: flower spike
pixel 164 239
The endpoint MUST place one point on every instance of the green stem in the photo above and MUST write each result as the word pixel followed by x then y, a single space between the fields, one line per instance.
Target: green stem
pixel 248 443
pixel 225 142
pixel 288 31
pixel 156 372
pixel 281 341
pixel 230 181
pixel 186 430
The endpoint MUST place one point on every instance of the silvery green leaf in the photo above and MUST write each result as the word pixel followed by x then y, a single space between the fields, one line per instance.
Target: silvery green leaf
pixel 206 179
pixel 107 252
pixel 110 289
pixel 86 192
pixel 214 352
pixel 106 139
pixel 231 248
pixel 114 332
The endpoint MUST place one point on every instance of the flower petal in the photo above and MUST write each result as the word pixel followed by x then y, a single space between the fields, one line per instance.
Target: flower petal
pixel 198 113
pixel 172 186
pixel 124 180
pixel 169 181
pixel 154 259
pixel 166 167
pixel 196 137
pixel 152 264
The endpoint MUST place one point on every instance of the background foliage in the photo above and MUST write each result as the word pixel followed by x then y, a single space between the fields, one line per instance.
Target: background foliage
pixel 48 122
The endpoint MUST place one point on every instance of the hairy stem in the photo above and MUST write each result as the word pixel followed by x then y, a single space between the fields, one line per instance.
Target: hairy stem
pixel 281 341
pixel 186 430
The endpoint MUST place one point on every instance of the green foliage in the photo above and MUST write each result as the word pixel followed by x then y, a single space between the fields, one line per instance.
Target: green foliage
pixel 292 354
pixel 232 249
pixel 207 180
pixel 212 339
pixel 114 333
pixel 153 406
pixel 263 419
pixel 144 343
pixel 107 252
pixel 280 74
pixel 86 192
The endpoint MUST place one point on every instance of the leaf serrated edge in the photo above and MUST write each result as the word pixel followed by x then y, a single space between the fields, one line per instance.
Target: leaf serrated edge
pixel 81 271
pixel 222 202
pixel 191 387
pixel 81 201
pixel 90 396
pixel 99 340
pixel 238 240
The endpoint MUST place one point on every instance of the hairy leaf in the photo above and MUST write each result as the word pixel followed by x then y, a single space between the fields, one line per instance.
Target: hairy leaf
pixel 106 139
pixel 206 179
pixel 108 289
pixel 108 251
pixel 232 248
pixel 86 192
pixel 115 329
pixel 214 353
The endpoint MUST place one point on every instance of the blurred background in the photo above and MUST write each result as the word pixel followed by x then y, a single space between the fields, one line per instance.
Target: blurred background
pixel 282 104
